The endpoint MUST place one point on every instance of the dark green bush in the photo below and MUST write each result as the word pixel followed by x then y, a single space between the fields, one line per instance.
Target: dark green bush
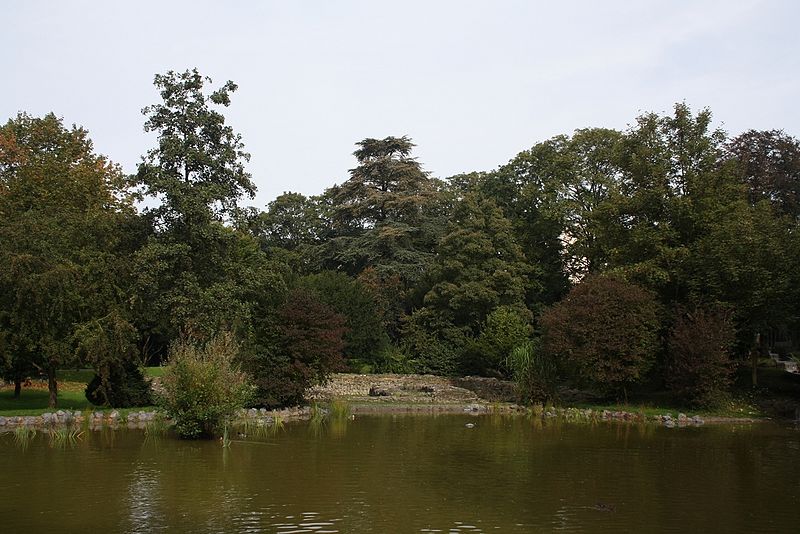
pixel 121 386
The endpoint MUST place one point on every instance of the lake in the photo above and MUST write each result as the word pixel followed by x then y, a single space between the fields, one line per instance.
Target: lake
pixel 395 473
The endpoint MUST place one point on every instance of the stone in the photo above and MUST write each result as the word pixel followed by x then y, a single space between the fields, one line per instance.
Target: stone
pixel 252 412
pixel 376 391
pixel 669 423
pixel 114 415
pixel 697 420
pixel 2 421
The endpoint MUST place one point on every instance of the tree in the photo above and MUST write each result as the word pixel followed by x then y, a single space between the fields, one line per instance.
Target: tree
pixel 700 369
pixel 365 338
pixel 198 166
pixel 555 193
pixel 479 266
pixel 604 333
pixel 385 216
pixel 310 347
pixel 769 165
pixel 195 273
pixel 63 213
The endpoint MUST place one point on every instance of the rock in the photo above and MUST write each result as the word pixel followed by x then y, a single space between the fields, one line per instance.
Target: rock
pixel 252 412
pixel 114 415
pixel 376 391
pixel 682 417
pixel 697 420
pixel 669 423
pixel 2 421
pixel 470 425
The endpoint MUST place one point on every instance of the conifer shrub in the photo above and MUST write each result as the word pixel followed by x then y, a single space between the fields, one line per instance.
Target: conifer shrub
pixel 122 385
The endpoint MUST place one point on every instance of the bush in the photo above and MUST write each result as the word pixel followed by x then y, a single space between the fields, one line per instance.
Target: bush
pixel 534 373
pixel 309 348
pixel 366 336
pixel 604 333
pixel 700 370
pixel 434 345
pixel 505 327
pixel 202 386
pixel 120 386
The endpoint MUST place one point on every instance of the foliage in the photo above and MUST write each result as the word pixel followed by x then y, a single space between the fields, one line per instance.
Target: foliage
pixel 108 345
pixel 121 386
pixel 479 266
pixel 203 386
pixel 365 337
pixel 433 344
pixel 534 373
pixel 63 210
pixel 700 370
pixel 195 273
pixel 604 333
pixel 769 165
pixel 310 347
pixel 505 328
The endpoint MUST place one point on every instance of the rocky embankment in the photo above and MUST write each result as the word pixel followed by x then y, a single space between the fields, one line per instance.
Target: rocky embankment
pixel 387 393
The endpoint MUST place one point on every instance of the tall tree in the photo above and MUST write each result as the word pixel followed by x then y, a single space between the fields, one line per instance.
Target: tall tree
pixel 769 164
pixel 63 210
pixel 195 272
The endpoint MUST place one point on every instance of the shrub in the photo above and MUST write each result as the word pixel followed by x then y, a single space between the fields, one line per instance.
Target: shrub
pixel 202 386
pixel 309 348
pixel 700 370
pixel 505 327
pixel 434 344
pixel 366 335
pixel 604 333
pixel 119 386
pixel 534 373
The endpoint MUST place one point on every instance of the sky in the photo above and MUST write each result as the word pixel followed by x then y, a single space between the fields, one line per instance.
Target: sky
pixel 471 82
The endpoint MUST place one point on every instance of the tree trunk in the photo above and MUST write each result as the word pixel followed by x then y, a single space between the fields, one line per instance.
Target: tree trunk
pixel 754 360
pixel 52 387
pixel 17 386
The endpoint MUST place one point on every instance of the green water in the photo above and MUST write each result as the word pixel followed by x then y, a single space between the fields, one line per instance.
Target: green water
pixel 411 474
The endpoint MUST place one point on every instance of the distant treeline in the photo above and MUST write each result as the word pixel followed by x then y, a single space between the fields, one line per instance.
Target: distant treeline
pixel 394 270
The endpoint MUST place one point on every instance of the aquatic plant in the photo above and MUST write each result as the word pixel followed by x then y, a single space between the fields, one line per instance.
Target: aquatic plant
pixel 226 440
pixel 23 436
pixel 339 409
pixel 64 436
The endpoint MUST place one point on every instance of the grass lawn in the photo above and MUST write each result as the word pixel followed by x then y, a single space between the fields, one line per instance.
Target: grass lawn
pixel 71 386
pixel 33 401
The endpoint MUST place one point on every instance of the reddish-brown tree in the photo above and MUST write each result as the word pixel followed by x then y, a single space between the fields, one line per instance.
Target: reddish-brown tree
pixel 604 333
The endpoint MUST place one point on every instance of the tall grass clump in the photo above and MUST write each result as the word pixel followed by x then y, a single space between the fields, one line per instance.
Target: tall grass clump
pixel 203 386
pixel 23 436
pixel 534 372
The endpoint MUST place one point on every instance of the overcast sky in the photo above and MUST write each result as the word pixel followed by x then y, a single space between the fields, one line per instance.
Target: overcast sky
pixel 472 83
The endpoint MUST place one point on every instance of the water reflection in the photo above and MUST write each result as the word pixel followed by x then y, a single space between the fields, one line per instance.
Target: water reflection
pixel 406 474
pixel 144 513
